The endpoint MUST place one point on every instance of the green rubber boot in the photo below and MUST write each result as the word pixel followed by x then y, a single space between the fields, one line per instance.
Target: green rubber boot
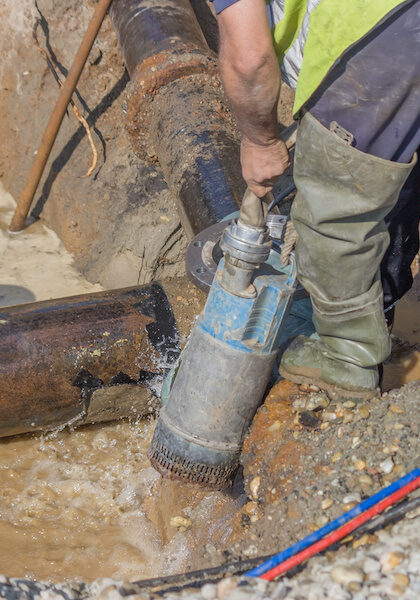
pixel 342 200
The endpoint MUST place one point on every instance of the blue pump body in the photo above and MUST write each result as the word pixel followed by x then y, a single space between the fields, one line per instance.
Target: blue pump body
pixel 249 324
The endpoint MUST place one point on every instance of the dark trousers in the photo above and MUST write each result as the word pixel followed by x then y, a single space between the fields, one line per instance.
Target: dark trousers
pixel 374 94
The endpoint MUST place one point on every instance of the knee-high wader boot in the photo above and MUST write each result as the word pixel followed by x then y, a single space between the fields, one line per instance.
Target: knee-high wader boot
pixel 339 211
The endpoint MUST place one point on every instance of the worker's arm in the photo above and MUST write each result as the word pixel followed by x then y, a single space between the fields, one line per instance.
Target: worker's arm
pixel 251 78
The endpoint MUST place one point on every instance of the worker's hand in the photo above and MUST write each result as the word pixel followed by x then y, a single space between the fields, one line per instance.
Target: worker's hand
pixel 262 165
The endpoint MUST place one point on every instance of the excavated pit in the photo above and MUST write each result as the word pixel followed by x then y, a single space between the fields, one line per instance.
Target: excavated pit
pixel 83 504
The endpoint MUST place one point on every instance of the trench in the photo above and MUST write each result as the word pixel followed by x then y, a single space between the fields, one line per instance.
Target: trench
pixel 85 503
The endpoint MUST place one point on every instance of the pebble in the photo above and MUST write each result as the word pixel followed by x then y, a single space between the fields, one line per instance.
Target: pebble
pixel 254 486
pixel 347 417
pixel 398 426
pixel 349 404
pixel 365 479
pixel 387 465
pixel 354 497
pixel 329 416
pixel 327 503
pixel 322 520
pixel 253 511
pixel 355 441
pixel 348 506
pixel 396 408
pixel 363 412
pixel 390 560
pixel 317 401
pixel 365 540
pixel 401 579
pixel 225 586
pixel 346 574
pixel 241 594
pixel 371 565
pixel 325 426
pixel 209 591
pixel 336 457
pixel 181 523
pixel 360 465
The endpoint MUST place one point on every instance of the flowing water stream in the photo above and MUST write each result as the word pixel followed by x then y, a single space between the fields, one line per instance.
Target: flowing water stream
pixel 87 504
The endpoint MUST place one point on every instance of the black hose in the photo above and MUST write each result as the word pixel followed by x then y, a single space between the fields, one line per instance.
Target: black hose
pixel 193 579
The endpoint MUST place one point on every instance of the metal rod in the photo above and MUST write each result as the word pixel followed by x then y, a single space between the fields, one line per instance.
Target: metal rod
pixel 50 133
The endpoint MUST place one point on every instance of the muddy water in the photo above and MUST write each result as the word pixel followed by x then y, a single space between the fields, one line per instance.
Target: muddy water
pixel 87 504
pixel 404 365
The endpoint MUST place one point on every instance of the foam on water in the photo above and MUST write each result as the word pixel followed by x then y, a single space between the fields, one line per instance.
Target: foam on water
pixel 87 504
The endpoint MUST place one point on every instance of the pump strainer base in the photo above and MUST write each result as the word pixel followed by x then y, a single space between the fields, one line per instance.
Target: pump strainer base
pixel 186 465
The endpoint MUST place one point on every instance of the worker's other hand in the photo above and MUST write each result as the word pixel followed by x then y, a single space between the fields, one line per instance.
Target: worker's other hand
pixel 262 165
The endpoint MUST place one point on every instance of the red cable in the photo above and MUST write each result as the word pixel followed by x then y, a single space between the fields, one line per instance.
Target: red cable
pixel 340 533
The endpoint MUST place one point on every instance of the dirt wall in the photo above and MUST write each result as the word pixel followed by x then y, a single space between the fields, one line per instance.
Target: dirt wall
pixel 121 222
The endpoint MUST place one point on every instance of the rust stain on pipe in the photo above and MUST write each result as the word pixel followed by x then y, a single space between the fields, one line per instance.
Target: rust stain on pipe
pixel 176 112
pixel 48 139
pixel 69 359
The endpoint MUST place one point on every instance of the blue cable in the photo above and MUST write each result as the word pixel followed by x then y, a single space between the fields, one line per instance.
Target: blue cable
pixel 329 527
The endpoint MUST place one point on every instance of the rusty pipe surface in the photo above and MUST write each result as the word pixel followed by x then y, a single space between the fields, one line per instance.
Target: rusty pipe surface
pixel 86 358
pixel 50 133
pixel 176 111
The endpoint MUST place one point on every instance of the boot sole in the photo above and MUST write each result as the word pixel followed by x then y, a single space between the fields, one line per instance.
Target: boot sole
pixel 334 392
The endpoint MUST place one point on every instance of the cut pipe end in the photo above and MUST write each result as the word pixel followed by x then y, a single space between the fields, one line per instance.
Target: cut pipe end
pixel 190 462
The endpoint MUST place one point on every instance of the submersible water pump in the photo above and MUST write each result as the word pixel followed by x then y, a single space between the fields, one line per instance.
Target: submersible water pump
pixel 226 364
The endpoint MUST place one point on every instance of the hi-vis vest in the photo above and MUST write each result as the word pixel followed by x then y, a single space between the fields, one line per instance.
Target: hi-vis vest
pixel 310 36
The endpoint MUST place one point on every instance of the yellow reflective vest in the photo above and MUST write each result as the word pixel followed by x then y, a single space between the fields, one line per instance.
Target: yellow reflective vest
pixel 311 36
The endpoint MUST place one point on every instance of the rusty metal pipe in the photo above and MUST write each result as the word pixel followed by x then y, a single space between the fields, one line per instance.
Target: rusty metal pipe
pixel 50 133
pixel 87 358
pixel 176 111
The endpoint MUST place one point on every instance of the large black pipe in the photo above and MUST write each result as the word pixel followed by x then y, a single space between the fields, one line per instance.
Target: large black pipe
pixel 176 111
pixel 85 359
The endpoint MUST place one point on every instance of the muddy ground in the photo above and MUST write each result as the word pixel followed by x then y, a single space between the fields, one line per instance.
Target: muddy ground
pixel 305 460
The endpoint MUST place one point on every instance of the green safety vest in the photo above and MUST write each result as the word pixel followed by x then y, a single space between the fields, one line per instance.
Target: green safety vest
pixel 310 36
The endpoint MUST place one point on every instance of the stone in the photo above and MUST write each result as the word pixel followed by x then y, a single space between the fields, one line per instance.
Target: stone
pixel 396 408
pixel 365 540
pixel 209 591
pixel 180 523
pixel 346 574
pixel 401 579
pixel 360 465
pixel 387 465
pixel 353 497
pixel 242 593
pixel 366 479
pixel 254 486
pixel 336 457
pixel 371 565
pixel 348 416
pixel 225 587
pixel 349 404
pixel 363 412
pixel 252 550
pixel 390 560
pixel 317 401
pixel 253 511
pixel 327 503
pixel 329 416
pixel 322 520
